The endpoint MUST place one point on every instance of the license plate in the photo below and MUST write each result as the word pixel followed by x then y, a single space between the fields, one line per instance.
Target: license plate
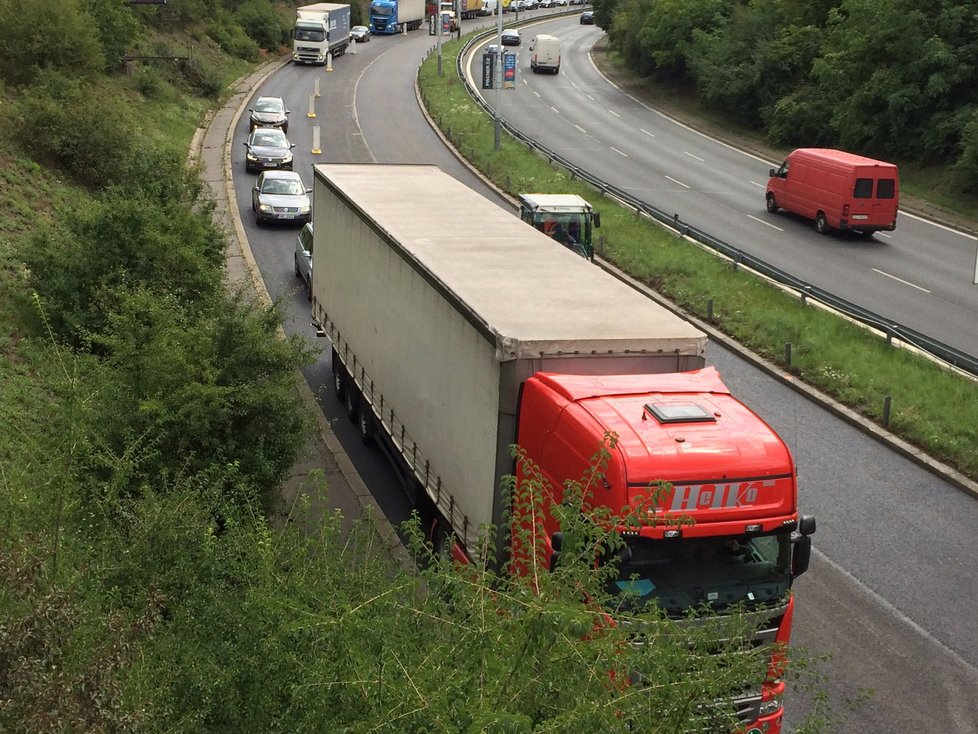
pixel 287 216
pixel 860 216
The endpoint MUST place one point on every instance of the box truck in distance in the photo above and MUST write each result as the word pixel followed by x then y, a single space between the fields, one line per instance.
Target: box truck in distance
pixel 838 190
pixel 320 30
pixel 458 331
pixel 395 16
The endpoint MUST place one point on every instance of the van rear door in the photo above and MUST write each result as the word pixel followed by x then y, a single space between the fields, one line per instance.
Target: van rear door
pixel 875 199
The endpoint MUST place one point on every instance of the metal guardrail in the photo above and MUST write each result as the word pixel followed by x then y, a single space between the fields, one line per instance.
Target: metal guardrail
pixel 806 291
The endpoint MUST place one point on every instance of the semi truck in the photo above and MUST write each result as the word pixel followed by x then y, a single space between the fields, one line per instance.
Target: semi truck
pixel 320 30
pixel 458 332
pixel 395 16
pixel 567 218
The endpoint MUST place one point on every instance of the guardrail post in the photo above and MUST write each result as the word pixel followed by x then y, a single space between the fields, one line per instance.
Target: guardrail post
pixel 887 400
pixel 709 310
pixel 787 353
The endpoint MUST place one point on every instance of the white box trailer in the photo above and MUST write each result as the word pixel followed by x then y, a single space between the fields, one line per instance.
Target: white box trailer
pixel 439 304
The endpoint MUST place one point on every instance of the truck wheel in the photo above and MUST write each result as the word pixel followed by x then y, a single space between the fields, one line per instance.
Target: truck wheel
pixel 365 423
pixel 352 401
pixel 772 205
pixel 339 380
pixel 821 224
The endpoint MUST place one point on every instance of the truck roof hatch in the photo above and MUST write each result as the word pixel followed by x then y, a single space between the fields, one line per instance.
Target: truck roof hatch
pixel 680 413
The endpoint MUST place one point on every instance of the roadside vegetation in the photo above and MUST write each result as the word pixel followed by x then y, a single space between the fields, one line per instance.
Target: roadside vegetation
pixel 931 407
pixel 150 578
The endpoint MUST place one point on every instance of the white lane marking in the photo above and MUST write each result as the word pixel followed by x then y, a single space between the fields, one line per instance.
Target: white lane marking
pixel 555 109
pixel 884 234
pixel 693 156
pixel 581 129
pixel 759 185
pixel 685 186
pixel 614 113
pixel 772 226
pixel 624 155
pixel 901 280
pixel 573 84
pixel 646 132
pixel 589 97
pixel 535 92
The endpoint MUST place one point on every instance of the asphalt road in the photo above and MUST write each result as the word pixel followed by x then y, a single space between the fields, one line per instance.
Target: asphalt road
pixel 891 590
pixel 919 275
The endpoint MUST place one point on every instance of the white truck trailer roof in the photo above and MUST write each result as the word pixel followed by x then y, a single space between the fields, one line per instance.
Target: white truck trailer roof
pixel 526 293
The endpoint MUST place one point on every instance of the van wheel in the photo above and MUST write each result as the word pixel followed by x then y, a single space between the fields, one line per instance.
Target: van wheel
pixel 821 224
pixel 772 205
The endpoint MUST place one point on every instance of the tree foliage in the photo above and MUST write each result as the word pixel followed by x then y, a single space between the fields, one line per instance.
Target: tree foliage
pixel 892 79
pixel 48 34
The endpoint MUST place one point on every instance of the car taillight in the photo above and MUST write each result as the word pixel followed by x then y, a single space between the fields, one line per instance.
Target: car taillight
pixel 845 210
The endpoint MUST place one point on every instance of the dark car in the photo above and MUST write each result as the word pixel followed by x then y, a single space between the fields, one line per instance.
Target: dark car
pixel 587 18
pixel 510 37
pixel 269 112
pixel 279 196
pixel 268 148
pixel 360 33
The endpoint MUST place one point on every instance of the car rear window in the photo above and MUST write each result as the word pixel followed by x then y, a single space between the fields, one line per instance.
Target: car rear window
pixel 885 188
pixel 864 188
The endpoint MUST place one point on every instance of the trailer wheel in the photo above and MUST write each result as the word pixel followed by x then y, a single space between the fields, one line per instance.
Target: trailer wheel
pixel 821 223
pixel 772 205
pixel 365 423
pixel 352 401
pixel 339 379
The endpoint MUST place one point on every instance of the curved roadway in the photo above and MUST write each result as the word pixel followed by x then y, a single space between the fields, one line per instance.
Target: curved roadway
pixel 893 583
pixel 919 275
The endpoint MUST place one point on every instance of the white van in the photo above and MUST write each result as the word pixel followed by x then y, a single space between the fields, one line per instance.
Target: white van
pixel 545 54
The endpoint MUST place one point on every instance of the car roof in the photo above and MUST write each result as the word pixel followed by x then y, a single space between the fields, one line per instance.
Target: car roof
pixel 281 174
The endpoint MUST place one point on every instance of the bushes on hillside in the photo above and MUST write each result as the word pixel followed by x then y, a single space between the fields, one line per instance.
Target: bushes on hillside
pixel 48 34
pixel 263 23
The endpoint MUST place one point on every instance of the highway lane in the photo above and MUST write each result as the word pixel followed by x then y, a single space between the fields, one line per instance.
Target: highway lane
pixel 919 275
pixel 894 577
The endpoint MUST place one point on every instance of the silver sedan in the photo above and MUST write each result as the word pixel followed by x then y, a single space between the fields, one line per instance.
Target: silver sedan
pixel 280 196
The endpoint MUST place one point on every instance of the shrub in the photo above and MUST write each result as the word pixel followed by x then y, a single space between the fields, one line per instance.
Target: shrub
pixel 83 129
pixel 231 37
pixel 263 23
pixel 47 34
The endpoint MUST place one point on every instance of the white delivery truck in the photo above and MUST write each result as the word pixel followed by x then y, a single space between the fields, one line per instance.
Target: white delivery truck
pixel 320 30
pixel 545 53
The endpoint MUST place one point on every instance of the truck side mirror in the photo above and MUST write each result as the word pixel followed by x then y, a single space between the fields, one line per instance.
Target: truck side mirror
pixel 801 555
pixel 802 546
pixel 772 173
pixel 556 542
pixel 596 218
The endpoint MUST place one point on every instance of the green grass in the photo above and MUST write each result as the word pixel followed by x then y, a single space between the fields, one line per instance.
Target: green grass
pixel 932 408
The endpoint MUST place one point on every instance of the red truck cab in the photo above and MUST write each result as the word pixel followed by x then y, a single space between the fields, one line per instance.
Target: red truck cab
pixel 837 190
pixel 729 472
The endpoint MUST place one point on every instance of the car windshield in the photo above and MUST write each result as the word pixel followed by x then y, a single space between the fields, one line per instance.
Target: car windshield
pixel 271 138
pixel 282 186
pixel 269 105
pixel 682 574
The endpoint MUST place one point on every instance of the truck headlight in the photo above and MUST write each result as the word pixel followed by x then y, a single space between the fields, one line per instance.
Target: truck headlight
pixel 771 707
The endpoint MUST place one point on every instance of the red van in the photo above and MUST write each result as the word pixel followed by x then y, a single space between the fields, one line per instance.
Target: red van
pixel 838 190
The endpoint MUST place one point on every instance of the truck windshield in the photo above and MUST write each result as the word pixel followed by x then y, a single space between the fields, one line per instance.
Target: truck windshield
pixel 381 9
pixel 720 571
pixel 309 34
pixel 569 229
